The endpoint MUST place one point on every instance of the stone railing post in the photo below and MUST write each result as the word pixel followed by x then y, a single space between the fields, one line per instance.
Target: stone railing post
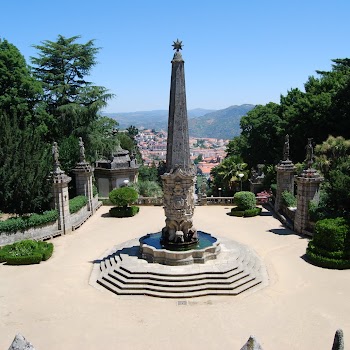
pixel 60 193
pixel 83 177
pixel 61 200
pixel 308 184
pixel 285 180
pixel 83 182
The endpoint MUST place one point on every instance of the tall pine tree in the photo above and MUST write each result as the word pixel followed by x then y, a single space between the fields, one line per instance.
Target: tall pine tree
pixel 24 157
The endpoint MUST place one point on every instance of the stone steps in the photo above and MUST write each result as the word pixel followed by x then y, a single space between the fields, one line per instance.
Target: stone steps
pixel 205 290
pixel 235 271
pixel 176 283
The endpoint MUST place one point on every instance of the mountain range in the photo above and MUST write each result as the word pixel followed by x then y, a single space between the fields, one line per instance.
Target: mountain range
pixel 220 124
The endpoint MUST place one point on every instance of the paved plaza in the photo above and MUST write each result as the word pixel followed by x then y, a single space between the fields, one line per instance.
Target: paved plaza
pixel 55 308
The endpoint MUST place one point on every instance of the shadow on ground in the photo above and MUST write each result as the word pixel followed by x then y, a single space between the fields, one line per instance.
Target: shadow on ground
pixel 282 231
pixel 131 251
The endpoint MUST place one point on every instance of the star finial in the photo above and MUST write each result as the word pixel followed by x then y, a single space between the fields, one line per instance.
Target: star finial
pixel 177 45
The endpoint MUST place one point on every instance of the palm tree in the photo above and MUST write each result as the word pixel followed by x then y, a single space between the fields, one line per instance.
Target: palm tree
pixel 227 173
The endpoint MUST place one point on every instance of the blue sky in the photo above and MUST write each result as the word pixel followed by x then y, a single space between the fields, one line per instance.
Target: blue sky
pixel 235 51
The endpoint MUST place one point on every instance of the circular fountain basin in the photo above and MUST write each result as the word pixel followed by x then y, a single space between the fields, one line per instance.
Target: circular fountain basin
pixel 206 249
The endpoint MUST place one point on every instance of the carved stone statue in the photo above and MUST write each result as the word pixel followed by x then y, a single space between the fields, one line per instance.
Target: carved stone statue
pixel 55 153
pixel 82 150
pixel 309 153
pixel 286 148
pixel 254 174
pixel 55 156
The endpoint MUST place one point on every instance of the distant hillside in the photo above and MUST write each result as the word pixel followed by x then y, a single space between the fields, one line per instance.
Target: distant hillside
pixel 221 124
pixel 157 119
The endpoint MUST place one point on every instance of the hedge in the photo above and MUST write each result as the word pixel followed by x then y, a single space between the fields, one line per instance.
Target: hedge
pixel 330 234
pixel 245 200
pixel 329 263
pixel 23 223
pixel 123 212
pixel 26 252
pixel 330 247
pixel 245 213
pixel 76 203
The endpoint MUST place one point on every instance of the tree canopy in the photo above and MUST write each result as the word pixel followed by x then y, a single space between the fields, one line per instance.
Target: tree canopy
pixel 322 110
pixel 24 156
pixel 62 67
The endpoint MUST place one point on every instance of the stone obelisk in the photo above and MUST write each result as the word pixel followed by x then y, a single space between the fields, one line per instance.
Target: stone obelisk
pixel 179 180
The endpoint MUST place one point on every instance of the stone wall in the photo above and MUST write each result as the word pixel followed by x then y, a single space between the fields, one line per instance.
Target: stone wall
pixel 51 230
pixel 36 233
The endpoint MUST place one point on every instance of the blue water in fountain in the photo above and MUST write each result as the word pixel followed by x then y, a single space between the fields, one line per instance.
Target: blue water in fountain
pixel 205 240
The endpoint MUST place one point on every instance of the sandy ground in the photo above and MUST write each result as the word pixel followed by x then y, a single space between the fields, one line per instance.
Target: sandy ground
pixel 54 307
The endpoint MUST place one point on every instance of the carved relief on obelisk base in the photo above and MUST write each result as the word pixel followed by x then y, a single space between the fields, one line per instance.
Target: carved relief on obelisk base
pixel 179 180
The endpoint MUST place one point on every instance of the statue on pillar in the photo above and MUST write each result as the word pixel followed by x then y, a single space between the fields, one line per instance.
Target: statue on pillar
pixel 55 155
pixel 82 150
pixel 309 153
pixel 286 148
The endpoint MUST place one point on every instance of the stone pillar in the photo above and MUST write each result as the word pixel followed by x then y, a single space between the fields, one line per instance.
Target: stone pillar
pixel 285 180
pixel 83 177
pixel 308 184
pixel 83 182
pixel 61 200
pixel 60 193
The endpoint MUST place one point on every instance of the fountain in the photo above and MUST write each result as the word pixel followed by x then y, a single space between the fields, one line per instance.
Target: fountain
pixel 201 264
pixel 179 240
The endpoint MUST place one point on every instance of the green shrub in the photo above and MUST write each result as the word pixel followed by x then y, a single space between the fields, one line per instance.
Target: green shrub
pixel 25 222
pixel 245 213
pixel 26 252
pixel 123 212
pixel 245 200
pixel 288 199
pixel 330 245
pixel 35 258
pixel 148 189
pixel 340 254
pixel 124 196
pixel 252 212
pixel 274 189
pixel 330 234
pixel 237 212
pixel 94 190
pixel 330 263
pixel 76 203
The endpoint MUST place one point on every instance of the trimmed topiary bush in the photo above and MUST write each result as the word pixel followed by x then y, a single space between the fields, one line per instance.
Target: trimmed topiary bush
pixel 245 200
pixel 330 247
pixel 245 213
pixel 76 203
pixel 252 212
pixel 237 212
pixel 124 196
pixel 26 252
pixel 124 212
pixel 330 234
